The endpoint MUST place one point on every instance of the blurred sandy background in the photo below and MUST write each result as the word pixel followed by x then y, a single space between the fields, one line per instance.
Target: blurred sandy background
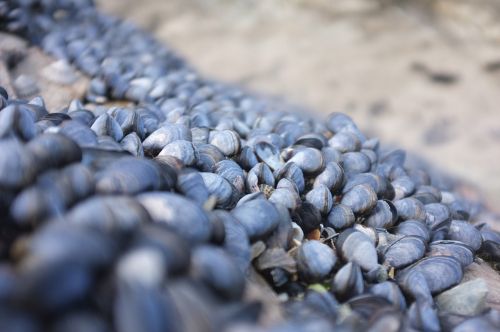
pixel 421 74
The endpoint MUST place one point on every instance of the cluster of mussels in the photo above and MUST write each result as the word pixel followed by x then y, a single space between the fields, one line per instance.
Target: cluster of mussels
pixel 160 216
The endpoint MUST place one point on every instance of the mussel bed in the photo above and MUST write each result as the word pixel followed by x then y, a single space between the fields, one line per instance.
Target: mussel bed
pixel 204 207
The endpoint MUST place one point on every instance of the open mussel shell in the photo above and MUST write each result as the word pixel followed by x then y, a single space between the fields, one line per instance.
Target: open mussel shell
pixel 404 251
pixel 292 172
pixel 181 214
pixel 315 261
pixel 459 250
pixel 340 217
pixel 269 154
pixel 430 275
pixel 259 174
pixel 348 282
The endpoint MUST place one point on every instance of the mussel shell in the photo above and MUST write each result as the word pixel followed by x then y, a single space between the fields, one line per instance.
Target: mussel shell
pixel 413 228
pixel 391 291
pixel 106 125
pixel 165 135
pixel 403 187
pixel 348 282
pixel 79 133
pixel 174 249
pixel 17 165
pixel 141 308
pixel 16 121
pixel 309 160
pixel 232 172
pixel 130 175
pixel 259 217
pixel 258 175
pixel 144 265
pixel 438 216
pixel 404 251
pixel 361 199
pixel 181 214
pixel 308 217
pixel 183 150
pixel 207 264
pixel 208 156
pixel 292 172
pixel 315 261
pixel 321 198
pixel 119 214
pixel 336 121
pixel 438 272
pixel 132 143
pixel 345 142
pixel 355 246
pixel 410 208
pixel 228 141
pixel 236 241
pixel 247 158
pixel 224 192
pixel 384 215
pixel 456 249
pixel 355 163
pixel 269 154
pixel 340 217
pixel 332 177
pixel 53 150
pixel 463 231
